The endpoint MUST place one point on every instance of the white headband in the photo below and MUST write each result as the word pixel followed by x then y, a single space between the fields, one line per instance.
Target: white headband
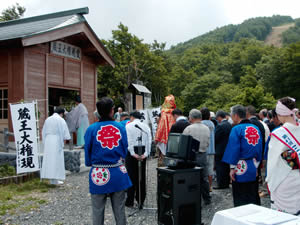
pixel 282 110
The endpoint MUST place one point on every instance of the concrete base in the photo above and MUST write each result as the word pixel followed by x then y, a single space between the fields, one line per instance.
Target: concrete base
pixel 73 159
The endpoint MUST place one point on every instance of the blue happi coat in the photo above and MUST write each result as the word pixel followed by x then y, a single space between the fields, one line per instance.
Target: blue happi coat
pixel 106 144
pixel 124 122
pixel 244 149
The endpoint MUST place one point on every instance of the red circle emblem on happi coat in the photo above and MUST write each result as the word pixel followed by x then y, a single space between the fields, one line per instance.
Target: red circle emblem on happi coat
pixel 100 176
pixel 123 169
pixel 252 135
pixel 109 136
pixel 241 167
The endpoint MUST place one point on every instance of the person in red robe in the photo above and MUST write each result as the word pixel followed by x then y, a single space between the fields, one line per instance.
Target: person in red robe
pixel 165 123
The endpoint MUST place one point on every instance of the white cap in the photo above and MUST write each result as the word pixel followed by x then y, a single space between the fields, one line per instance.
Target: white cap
pixel 212 114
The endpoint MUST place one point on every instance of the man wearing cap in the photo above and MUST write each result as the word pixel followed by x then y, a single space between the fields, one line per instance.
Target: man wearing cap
pixel 138 134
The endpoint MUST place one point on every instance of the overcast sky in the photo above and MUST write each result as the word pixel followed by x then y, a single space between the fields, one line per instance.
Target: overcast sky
pixel 171 21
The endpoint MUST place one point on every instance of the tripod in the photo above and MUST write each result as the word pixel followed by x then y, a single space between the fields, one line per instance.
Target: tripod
pixel 140 152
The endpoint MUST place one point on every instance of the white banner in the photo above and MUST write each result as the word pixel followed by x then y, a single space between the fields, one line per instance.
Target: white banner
pixel 24 125
pixel 153 115
pixel 144 115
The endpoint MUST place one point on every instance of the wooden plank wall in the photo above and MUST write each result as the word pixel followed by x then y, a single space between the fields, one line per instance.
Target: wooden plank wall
pixel 42 70
pixel 72 74
pixel 88 92
pixel 64 72
pixel 3 68
pixel 55 70
pixel 15 79
pixel 35 81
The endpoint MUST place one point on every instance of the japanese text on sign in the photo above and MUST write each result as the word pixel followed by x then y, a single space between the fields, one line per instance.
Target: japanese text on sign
pixel 153 115
pixel 64 49
pixel 24 124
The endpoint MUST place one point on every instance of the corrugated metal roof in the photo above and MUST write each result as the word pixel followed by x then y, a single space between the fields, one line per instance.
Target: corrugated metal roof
pixel 141 88
pixel 35 25
pixel 26 28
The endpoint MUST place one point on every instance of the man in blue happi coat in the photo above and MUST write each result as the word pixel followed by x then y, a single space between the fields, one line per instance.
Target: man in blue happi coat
pixel 125 118
pixel 105 149
pixel 243 153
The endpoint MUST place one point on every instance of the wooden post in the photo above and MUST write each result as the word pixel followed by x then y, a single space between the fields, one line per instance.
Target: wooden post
pixel 5 137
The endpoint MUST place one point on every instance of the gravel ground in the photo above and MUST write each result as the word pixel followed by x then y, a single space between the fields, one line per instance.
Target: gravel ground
pixel 70 204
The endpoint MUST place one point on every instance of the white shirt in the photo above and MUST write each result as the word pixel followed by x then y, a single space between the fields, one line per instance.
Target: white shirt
pixel 267 130
pixel 133 133
pixel 278 169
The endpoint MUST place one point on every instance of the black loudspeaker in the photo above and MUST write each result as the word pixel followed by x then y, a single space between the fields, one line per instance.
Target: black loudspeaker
pixel 178 196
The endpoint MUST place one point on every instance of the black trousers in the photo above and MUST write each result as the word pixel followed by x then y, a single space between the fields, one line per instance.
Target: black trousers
pixel 222 171
pixel 133 172
pixel 204 187
pixel 245 193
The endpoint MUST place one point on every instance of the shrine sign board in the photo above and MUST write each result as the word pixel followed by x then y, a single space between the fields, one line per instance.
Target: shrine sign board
pixel 65 49
pixel 25 133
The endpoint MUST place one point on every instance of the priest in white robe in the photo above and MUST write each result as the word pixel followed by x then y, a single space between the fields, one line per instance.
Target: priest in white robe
pixel 55 131
pixel 78 121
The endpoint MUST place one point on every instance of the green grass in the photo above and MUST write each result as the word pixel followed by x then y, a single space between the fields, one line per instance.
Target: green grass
pixel 42 201
pixel 19 196
pixel 7 170
pixel 29 207
pixel 5 207
pixel 58 223
pixel 30 198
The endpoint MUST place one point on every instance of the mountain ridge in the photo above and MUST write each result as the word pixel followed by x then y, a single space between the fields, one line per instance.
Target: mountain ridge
pixel 254 28
pixel 275 37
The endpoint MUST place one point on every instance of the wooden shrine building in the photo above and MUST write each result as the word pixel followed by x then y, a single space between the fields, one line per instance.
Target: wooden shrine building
pixel 139 96
pixel 49 57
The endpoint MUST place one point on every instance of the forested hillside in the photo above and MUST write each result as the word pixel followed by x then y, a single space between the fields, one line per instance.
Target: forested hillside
pixel 256 28
pixel 275 37
pixel 292 35
pixel 237 69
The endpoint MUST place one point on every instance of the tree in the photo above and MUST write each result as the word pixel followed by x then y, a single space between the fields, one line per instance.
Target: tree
pixel 228 95
pixel 222 97
pixel 135 60
pixel 249 79
pixel 12 13
pixel 257 97
pixel 280 71
pixel 198 91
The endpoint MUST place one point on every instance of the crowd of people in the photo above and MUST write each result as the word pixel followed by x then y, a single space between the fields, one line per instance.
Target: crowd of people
pixel 241 149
